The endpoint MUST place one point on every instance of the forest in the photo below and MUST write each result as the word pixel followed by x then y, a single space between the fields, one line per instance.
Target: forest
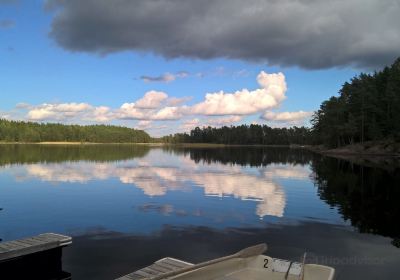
pixel 253 134
pixel 16 131
pixel 367 109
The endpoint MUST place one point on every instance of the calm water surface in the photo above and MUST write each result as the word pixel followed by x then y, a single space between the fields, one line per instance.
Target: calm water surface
pixel 127 206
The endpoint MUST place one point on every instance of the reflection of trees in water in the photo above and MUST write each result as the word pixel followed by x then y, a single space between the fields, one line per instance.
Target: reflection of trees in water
pixel 368 197
pixel 0 238
pixel 11 154
pixel 252 156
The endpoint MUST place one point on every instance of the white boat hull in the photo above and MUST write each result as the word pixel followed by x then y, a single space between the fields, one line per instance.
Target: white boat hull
pixel 258 268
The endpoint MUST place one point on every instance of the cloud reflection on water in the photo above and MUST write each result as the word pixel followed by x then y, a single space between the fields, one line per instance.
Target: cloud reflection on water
pixel 218 180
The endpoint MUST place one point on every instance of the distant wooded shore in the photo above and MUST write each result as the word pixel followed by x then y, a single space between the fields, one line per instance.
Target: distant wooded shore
pixel 79 143
pixel 363 119
pixel 381 148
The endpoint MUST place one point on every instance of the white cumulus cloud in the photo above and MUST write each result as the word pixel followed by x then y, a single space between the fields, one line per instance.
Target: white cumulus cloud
pixel 149 107
pixel 245 102
pixel 224 120
pixel 167 113
pixel 144 124
pixel 214 122
pixel 175 101
pixel 151 100
pixel 129 111
pixel 102 114
pixel 57 111
pixel 190 124
pixel 288 117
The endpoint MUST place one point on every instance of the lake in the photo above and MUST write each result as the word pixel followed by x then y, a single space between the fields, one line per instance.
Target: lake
pixel 129 205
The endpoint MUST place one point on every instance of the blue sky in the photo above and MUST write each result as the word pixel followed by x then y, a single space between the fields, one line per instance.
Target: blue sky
pixel 35 69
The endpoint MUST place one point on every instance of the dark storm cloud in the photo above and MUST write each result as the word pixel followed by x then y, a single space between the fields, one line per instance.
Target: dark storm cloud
pixel 310 34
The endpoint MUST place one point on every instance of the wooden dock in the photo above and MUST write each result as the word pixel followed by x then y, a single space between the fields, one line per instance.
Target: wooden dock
pixel 159 267
pixel 38 257
pixel 31 245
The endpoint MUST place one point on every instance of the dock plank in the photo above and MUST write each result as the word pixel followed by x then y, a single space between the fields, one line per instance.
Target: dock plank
pixel 26 246
pixel 17 245
pixel 135 276
pixel 150 271
pixel 131 277
pixel 159 267
pixel 144 274
pixel 49 236
pixel 168 266
pixel 30 241
pixel 175 263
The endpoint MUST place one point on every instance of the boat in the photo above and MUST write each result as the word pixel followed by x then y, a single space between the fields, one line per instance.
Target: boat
pixel 247 264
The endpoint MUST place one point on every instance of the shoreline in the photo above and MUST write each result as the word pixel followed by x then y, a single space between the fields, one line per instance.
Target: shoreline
pixel 370 154
pixel 368 149
pixel 386 161
pixel 215 145
pixel 159 144
pixel 77 143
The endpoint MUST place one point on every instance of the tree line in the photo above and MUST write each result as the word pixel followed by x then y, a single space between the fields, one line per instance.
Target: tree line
pixel 367 109
pixel 243 135
pixel 18 131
